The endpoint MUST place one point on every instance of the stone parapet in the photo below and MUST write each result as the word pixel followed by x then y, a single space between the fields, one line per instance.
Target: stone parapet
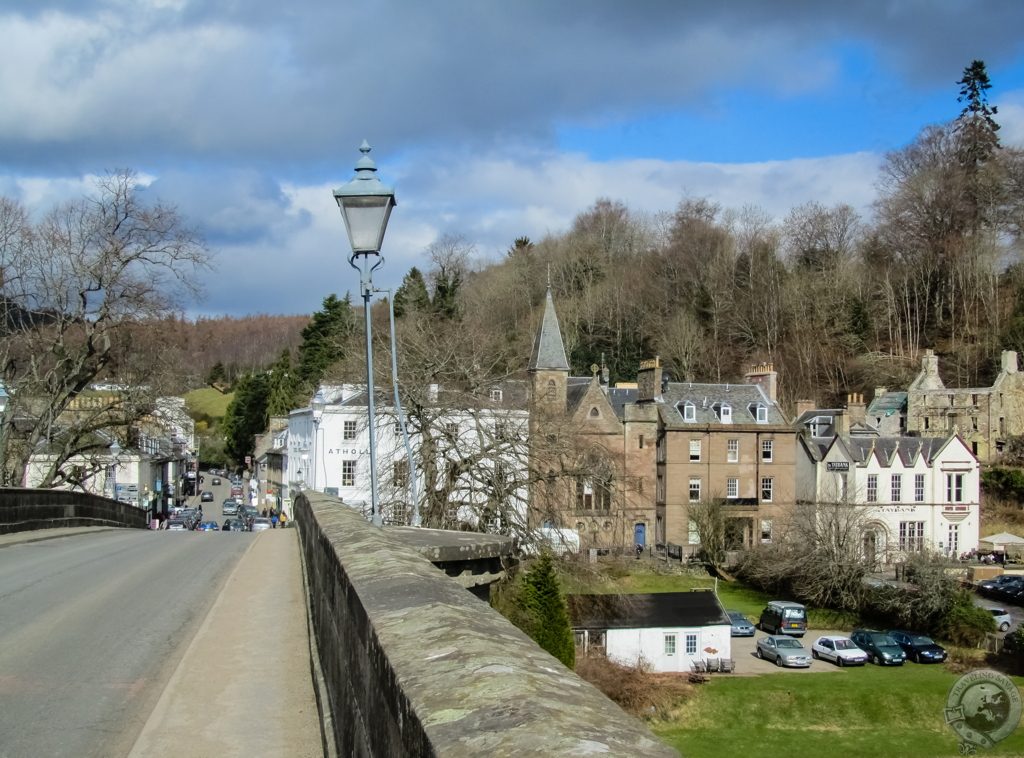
pixel 414 665
pixel 28 509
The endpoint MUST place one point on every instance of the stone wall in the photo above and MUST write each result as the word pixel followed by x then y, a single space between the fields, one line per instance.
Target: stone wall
pixel 26 509
pixel 414 665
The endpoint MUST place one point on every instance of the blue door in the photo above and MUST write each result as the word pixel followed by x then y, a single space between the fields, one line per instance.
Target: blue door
pixel 640 535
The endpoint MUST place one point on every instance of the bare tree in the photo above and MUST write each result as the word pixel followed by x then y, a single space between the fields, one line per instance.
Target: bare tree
pixel 77 289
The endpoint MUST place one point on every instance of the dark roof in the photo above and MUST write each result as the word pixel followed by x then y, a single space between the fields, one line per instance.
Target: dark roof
pixel 888 404
pixel 665 609
pixel 741 398
pixel 548 349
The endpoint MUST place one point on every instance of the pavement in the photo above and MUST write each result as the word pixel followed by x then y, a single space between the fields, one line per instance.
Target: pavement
pixel 244 685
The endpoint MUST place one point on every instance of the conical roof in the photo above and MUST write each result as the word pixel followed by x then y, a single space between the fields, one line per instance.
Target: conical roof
pixel 548 349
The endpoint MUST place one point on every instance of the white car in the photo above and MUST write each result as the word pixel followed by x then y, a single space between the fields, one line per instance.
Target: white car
pixel 840 650
pixel 1002 618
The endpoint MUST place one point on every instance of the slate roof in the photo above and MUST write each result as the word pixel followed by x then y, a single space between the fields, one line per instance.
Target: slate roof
pixel 740 397
pixel 665 609
pixel 885 449
pixel 548 349
pixel 888 404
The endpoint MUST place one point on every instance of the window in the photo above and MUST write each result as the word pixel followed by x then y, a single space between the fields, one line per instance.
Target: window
pixel 927 423
pixel 640 442
pixel 670 644
pixel 954 488
pixel 452 428
pixel 872 492
pixel 689 412
pixel 732 451
pixel 694 489
pixel 348 473
pixel 974 423
pixel 767 486
pixel 691 644
pixel 693 534
pixel 953 539
pixel 591 495
pixel 724 413
pixel 552 390
pixel 595 413
pixel 767 448
pixel 918 488
pixel 912 536
pixel 495 395
pixel 400 473
pixel 762 414
pixel 766 530
pixel 896 487
pixel 348 431
pixel 398 427
pixel 732 487
pixel 694 451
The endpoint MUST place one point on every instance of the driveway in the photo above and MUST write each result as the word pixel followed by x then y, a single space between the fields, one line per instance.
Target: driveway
pixel 748 664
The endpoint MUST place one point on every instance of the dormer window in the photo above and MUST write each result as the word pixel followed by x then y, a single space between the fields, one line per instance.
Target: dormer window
pixel 689 411
pixel 723 411
pixel 496 395
pixel 759 411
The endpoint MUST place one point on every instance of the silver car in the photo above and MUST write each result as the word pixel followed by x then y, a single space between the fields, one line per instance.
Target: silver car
pixel 259 524
pixel 784 650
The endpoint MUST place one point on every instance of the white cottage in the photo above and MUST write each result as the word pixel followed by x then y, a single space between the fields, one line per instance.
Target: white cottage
pixel 667 631
pixel 918 493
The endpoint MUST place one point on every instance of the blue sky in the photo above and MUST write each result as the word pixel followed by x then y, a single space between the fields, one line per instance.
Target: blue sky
pixel 492 120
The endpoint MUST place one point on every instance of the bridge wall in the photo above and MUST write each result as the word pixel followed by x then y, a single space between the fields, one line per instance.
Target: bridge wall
pixel 415 665
pixel 26 509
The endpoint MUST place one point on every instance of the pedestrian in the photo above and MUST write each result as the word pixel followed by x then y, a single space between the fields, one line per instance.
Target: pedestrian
pixel 264 512
pixel 284 520
pixel 273 520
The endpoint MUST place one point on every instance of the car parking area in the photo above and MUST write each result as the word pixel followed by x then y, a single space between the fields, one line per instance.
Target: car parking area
pixel 747 663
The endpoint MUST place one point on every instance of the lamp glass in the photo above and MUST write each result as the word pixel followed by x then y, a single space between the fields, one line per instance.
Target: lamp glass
pixel 366 220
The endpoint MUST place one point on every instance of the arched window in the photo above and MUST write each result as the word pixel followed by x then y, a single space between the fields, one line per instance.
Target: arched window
pixel 552 389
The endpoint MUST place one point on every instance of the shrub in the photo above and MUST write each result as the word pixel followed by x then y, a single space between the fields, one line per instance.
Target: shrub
pixel 635 690
pixel 965 623
pixel 535 604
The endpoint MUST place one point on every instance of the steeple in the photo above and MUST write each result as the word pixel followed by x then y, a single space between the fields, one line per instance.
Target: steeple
pixel 548 349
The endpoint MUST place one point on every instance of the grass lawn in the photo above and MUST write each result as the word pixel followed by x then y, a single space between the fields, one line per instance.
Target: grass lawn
pixel 207 401
pixel 869 711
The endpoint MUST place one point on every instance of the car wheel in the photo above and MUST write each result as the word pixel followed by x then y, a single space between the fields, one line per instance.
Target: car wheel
pixel 758 653
pixel 814 654
pixel 876 660
pixel 778 661
pixel 839 661
pixel 1004 627
pixel 917 658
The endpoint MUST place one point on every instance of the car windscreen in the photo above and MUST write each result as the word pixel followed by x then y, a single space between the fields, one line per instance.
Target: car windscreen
pixel 920 639
pixel 883 640
pixel 788 642
pixel 845 645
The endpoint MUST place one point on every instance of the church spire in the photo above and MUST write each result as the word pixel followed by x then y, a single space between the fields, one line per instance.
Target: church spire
pixel 548 349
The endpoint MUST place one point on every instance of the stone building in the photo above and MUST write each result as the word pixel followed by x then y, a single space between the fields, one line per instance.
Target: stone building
pixel 984 417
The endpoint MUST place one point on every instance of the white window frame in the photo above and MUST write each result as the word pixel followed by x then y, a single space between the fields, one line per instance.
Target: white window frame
pixel 918 488
pixel 495 395
pixel 348 472
pixel 689 412
pixel 732 451
pixel 767 450
pixel 896 488
pixel 694 451
pixel 670 644
pixel 694 488
pixel 691 644
pixel 955 487
pixel 349 429
pixel 766 530
pixel 725 413
pixel 762 414
pixel 767 488
pixel 871 491
pixel 732 487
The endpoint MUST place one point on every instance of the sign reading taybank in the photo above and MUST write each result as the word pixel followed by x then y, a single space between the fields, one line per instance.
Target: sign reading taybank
pixel 837 466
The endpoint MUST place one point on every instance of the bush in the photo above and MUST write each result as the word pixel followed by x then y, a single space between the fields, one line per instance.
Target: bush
pixel 635 690
pixel 535 604
pixel 965 623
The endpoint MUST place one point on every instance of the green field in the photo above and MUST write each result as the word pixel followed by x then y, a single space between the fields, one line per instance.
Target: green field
pixel 869 711
pixel 207 402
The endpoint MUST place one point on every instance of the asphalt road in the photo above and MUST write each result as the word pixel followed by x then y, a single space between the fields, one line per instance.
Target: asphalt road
pixel 91 628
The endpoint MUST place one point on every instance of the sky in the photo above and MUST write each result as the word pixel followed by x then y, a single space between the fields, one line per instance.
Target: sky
pixel 492 120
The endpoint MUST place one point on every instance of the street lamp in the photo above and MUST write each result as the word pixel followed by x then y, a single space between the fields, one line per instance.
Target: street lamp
pixel 115 450
pixel 317 406
pixel 366 205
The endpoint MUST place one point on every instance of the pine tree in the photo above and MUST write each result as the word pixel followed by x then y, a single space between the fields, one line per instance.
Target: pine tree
pixel 976 124
pixel 548 618
pixel 325 340
pixel 412 295
pixel 246 415
pixel 282 397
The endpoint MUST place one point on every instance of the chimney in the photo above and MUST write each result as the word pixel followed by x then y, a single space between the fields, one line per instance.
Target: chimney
pixel 648 380
pixel 1009 362
pixel 764 376
pixel 841 424
pixel 930 362
pixel 856 409
pixel 802 406
pixel 879 392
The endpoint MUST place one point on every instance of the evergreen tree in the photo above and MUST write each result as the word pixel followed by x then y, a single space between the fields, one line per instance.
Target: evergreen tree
pixel 446 293
pixel 412 295
pixel 282 394
pixel 246 415
pixel 325 340
pixel 546 613
pixel 217 374
pixel 976 124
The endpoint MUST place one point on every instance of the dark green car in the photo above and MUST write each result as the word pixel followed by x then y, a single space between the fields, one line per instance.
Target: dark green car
pixel 880 647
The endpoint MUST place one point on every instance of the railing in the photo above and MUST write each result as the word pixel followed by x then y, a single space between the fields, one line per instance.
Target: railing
pixel 28 509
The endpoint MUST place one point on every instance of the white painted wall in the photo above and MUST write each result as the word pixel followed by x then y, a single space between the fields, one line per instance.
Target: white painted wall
pixel 631 647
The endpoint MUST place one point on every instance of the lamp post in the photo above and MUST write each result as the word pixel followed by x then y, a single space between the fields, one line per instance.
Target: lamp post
pixel 115 450
pixel 366 205
pixel 317 407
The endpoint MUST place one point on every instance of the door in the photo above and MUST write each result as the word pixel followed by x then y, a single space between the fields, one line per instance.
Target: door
pixel 640 535
pixel 870 546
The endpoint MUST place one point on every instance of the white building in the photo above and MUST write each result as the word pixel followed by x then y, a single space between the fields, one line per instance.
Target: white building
pixel 917 493
pixel 667 631
pixel 471 454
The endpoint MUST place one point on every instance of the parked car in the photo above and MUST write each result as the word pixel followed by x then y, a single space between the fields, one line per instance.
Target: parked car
pixel 840 650
pixel 880 647
pixel 1007 590
pixel 176 525
pixel 784 650
pixel 206 497
pixel 918 647
pixel 229 507
pixel 259 524
pixel 988 586
pixel 784 617
pixel 741 626
pixel 1002 618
